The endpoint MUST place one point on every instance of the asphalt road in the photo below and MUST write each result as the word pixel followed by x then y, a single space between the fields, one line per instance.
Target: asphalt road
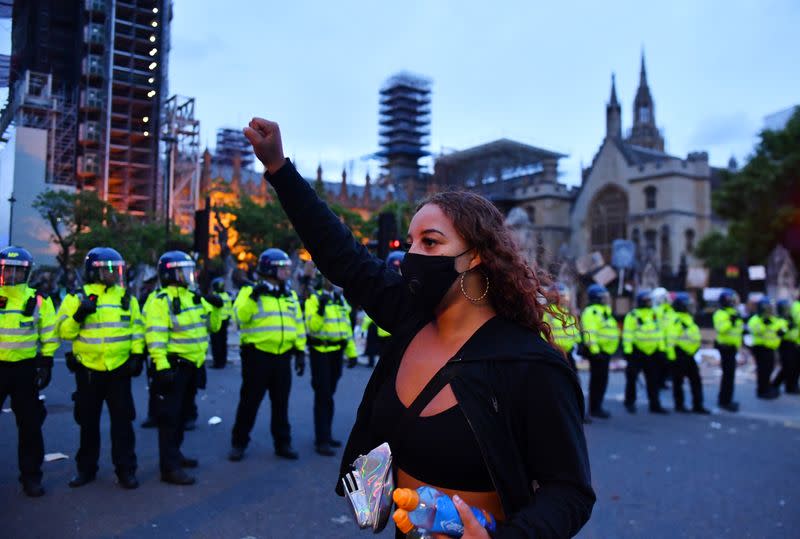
pixel 655 477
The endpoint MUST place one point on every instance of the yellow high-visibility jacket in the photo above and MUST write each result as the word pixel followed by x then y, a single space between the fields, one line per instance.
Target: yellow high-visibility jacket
pixel 107 338
pixel 179 327
pixel 27 324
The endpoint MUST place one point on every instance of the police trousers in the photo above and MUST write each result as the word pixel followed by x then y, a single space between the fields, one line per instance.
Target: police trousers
pixel 790 367
pixel 598 380
pixel 326 369
pixel 17 380
pixel 262 372
pixel 685 366
pixel 727 356
pixel 173 407
pixel 219 345
pixel 765 363
pixel 638 362
pixel 93 388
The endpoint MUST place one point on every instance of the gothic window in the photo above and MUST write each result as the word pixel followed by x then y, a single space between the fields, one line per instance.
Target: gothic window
pixel 608 216
pixel 644 115
pixel 531 211
pixel 689 240
pixel 650 197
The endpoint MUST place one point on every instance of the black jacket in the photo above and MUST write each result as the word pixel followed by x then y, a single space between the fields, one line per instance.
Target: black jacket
pixel 519 395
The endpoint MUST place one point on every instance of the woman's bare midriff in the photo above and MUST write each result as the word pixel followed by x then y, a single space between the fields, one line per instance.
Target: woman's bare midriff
pixel 490 501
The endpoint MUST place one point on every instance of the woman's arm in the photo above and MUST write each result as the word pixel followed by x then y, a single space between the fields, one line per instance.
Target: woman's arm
pixel 557 458
pixel 346 262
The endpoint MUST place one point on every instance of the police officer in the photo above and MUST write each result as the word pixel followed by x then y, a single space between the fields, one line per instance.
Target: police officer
pixel 788 350
pixel 683 342
pixel 330 335
pixel 177 323
pixel 219 339
pixel 729 327
pixel 378 338
pixel 28 341
pixel 563 324
pixel 272 331
pixel 766 330
pixel 601 340
pixel 105 326
pixel 664 314
pixel 642 340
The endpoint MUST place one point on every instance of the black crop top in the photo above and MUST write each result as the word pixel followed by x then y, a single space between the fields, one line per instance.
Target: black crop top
pixel 439 450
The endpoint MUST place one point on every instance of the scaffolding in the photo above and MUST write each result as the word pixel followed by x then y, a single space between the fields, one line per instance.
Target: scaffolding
pixel 36 104
pixel 181 134
pixel 230 143
pixel 404 121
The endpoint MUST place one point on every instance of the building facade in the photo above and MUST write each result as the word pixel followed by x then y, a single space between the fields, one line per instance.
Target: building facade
pixel 632 190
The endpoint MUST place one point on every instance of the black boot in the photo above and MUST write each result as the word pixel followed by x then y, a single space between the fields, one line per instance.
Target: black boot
pixel 32 488
pixel 286 451
pixel 128 481
pixel 325 449
pixel 149 423
pixel 80 480
pixel 236 454
pixel 177 477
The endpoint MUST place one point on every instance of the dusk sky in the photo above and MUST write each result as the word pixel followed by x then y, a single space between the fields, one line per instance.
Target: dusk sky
pixel 537 72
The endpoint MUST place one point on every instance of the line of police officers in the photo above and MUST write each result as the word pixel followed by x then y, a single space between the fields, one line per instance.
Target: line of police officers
pixel 661 341
pixel 112 337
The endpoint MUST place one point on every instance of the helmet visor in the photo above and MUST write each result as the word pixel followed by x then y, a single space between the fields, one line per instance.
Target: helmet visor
pixel 14 272
pixel 182 273
pixel 109 272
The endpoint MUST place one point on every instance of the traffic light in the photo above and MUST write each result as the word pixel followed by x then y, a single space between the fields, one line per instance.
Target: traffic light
pixel 387 234
pixel 201 235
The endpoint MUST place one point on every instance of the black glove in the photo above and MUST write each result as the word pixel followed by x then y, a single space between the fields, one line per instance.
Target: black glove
pixel 88 306
pixel 781 332
pixel 299 362
pixel 214 300
pixel 72 362
pixel 261 289
pixel 163 380
pixel 44 371
pixel 135 365
pixel 202 377
pixel 323 301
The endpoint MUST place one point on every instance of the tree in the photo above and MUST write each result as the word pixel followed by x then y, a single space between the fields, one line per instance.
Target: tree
pixel 70 215
pixel 761 203
pixel 262 226
pixel 81 221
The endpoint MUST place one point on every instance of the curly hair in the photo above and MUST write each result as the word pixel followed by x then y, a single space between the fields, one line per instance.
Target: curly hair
pixel 518 291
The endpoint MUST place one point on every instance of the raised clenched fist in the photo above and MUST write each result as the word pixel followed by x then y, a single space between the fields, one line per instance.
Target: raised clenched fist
pixel 265 136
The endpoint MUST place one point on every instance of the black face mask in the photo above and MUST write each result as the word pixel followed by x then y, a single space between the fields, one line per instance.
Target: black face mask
pixel 428 278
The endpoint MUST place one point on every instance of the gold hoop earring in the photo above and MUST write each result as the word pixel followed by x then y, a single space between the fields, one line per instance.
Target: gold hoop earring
pixel 464 290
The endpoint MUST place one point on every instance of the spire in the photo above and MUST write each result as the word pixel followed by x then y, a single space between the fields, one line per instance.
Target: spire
pixel 613 113
pixel 644 132
pixel 367 191
pixel 643 72
pixel 343 190
pixel 613 101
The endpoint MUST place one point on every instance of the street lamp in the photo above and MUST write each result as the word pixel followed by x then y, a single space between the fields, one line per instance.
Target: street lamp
pixel 11 199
